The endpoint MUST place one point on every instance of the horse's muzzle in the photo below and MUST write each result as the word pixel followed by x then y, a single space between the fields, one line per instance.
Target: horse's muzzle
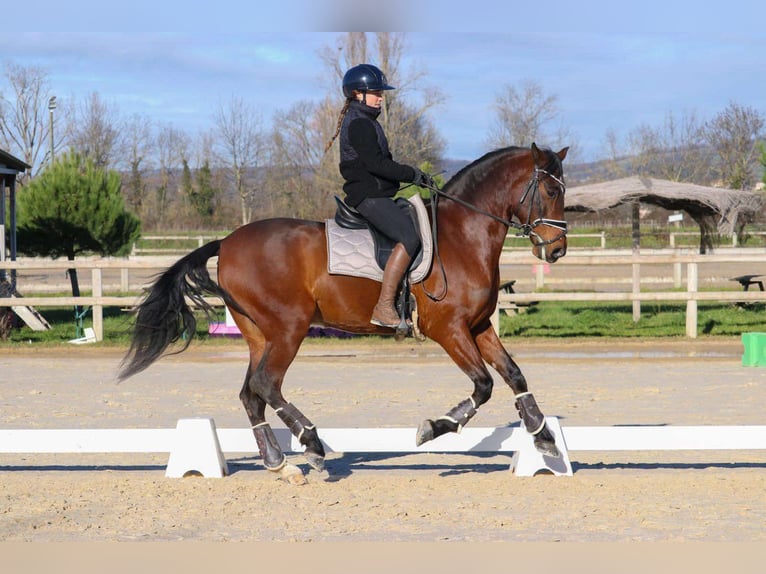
pixel 549 253
pixel 553 255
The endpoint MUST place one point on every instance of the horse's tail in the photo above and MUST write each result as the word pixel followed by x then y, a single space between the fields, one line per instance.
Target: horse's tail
pixel 164 316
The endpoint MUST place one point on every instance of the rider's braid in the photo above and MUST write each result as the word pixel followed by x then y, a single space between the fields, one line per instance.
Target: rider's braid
pixel 340 122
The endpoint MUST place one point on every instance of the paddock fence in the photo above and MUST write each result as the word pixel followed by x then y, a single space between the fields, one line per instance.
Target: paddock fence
pixel 179 244
pixel 580 276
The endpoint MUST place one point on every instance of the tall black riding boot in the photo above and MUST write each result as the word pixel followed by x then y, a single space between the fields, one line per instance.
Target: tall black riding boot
pixel 384 313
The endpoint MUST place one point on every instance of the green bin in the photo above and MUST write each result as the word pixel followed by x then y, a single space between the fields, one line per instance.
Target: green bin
pixel 755 349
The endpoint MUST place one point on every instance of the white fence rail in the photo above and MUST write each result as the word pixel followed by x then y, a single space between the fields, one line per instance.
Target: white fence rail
pixel 199 240
pixel 189 241
pixel 637 263
pixel 672 237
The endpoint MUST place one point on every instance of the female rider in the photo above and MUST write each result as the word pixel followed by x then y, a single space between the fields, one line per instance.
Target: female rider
pixel 372 179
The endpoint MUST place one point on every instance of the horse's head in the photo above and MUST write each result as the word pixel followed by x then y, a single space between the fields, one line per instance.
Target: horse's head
pixel 541 207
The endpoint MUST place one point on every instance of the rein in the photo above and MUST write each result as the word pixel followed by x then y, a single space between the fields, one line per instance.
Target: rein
pixel 525 229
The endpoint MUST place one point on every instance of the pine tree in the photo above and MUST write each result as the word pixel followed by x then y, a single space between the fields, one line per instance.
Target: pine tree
pixel 75 207
pixel 187 185
pixel 205 196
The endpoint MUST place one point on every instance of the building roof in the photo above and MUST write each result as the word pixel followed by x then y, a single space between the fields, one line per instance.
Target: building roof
pixel 727 207
pixel 13 163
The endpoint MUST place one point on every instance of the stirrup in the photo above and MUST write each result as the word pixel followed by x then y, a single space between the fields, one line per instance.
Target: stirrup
pixel 379 323
pixel 395 324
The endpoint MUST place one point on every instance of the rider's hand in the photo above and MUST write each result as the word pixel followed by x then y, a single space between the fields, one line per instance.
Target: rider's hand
pixel 428 181
pixel 423 179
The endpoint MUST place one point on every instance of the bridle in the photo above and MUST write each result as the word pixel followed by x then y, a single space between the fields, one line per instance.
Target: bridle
pixel 525 229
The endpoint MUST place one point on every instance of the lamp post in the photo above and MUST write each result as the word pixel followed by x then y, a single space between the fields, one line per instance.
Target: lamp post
pixel 51 107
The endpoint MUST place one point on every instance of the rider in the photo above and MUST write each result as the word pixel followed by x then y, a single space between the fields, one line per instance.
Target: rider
pixel 372 179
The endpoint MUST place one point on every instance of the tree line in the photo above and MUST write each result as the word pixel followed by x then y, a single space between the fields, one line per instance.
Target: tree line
pixel 246 167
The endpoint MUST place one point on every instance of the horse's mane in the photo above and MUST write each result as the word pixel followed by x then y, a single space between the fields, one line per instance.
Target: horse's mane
pixel 477 168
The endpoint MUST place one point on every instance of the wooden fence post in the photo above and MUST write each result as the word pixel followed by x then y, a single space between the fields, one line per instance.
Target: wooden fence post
pixel 691 304
pixel 637 291
pixel 677 274
pixel 98 309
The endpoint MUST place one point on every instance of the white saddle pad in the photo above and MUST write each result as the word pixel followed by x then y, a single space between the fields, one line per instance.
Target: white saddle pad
pixel 352 251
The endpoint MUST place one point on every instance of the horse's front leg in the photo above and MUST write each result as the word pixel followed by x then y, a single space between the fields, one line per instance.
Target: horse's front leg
pixel 462 349
pixel 494 354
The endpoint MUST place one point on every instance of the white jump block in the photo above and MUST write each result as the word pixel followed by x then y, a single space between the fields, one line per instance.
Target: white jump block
pixel 528 461
pixel 196 450
pixel 89 336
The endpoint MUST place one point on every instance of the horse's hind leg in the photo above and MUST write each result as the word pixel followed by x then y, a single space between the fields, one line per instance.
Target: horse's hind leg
pixel 494 354
pixel 264 383
pixel 255 407
pixel 263 386
pixel 271 453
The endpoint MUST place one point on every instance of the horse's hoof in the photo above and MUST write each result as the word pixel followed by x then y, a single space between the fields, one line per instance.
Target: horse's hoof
pixel 547 448
pixel 316 461
pixel 291 474
pixel 425 432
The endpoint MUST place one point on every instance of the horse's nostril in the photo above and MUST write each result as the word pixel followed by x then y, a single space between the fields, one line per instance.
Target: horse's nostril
pixel 558 253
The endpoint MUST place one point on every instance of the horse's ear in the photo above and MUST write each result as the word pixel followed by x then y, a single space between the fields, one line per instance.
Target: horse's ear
pixel 535 152
pixel 563 153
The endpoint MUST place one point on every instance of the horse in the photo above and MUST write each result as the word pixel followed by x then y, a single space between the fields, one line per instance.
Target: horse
pixel 273 277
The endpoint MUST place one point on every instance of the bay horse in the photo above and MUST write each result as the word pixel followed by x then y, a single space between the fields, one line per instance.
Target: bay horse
pixel 273 277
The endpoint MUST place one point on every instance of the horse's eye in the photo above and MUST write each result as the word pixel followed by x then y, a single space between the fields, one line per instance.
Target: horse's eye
pixel 552 190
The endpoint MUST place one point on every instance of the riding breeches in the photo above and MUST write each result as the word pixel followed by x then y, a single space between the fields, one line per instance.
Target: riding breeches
pixel 392 221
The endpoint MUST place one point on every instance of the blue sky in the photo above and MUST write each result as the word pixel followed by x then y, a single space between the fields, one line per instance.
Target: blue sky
pixel 611 67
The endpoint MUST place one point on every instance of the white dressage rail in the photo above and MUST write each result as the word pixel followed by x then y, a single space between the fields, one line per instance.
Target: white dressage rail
pixel 195 445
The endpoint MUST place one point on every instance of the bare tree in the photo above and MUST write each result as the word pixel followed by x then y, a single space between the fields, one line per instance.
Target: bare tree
pixel 616 164
pixel 349 50
pixel 138 148
pixel 94 132
pixel 301 178
pixel 24 115
pixel 409 128
pixel 733 134
pixel 675 151
pixel 411 134
pixel 240 149
pixel 525 115
pixel 169 145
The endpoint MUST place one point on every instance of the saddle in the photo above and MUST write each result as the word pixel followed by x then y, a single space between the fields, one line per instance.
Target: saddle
pixel 349 218
pixel 357 249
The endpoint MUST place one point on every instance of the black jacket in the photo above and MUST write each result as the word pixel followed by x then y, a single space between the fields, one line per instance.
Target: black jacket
pixel 365 161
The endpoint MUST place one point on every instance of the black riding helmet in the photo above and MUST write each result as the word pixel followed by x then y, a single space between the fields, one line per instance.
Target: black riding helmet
pixel 364 78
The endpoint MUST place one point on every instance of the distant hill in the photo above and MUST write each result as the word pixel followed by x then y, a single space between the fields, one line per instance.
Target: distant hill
pixel 576 174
